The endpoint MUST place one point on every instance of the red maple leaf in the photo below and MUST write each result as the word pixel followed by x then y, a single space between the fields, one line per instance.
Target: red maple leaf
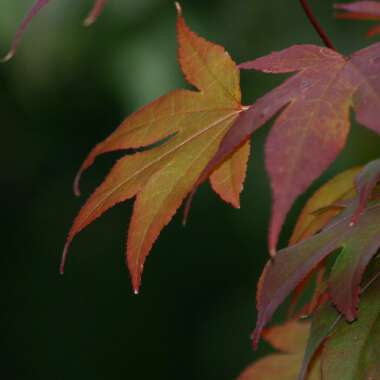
pixel 313 121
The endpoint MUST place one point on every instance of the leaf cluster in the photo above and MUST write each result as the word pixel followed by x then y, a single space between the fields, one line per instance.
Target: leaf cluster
pixel 347 211
pixel 189 136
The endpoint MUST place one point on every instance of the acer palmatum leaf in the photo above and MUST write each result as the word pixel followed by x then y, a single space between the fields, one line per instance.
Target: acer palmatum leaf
pixel 290 339
pixel 365 183
pixel 313 121
pixel 190 126
pixel 352 351
pixel 358 243
pixel 323 205
pixel 328 200
pixel 320 209
pixel 325 320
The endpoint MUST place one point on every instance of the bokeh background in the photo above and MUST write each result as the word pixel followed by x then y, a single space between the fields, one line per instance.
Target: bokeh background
pixel 67 89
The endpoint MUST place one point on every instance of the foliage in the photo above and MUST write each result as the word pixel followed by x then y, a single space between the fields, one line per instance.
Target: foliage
pixel 315 117
pixel 181 132
pixel 186 137
pixel 360 243
pixel 289 338
pixel 189 137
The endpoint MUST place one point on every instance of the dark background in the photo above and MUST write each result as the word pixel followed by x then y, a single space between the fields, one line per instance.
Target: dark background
pixel 67 89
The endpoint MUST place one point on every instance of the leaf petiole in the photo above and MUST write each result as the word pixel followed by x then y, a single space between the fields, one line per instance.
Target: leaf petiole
pixel 317 26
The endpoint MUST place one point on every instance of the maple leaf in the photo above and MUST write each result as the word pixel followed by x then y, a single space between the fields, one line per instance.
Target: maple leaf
pixel 188 125
pixel 361 10
pixel 352 351
pixel 319 210
pixel 314 123
pixel 289 338
pixel 359 244
pixel 36 8
pixel 327 202
pixel 365 183
pixel 357 183
pixel 323 206
pixel 323 324
pixel 326 318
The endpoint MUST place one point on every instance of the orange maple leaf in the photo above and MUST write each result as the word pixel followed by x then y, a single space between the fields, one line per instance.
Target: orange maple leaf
pixel 290 339
pixel 185 128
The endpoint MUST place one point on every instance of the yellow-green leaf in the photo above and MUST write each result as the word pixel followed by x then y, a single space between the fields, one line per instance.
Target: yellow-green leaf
pixel 185 128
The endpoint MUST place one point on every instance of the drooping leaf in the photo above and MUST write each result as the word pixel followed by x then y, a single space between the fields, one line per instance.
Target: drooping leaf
pixel 189 126
pixel 289 338
pixel 361 10
pixel 352 352
pixel 365 183
pixel 323 323
pixel 36 8
pixel 327 202
pixel 326 318
pixel 319 210
pixel 228 179
pixel 329 199
pixel 312 128
pixel 359 244
pixel 314 282
pixel 323 205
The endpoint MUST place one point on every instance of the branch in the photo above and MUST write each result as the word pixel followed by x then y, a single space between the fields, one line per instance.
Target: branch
pixel 317 26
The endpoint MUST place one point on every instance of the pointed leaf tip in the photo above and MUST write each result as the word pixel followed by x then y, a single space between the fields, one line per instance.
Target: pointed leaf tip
pixel 136 281
pixel 256 337
pixel 36 8
pixel 178 8
pixel 272 252
pixel 76 184
pixel 365 183
pixel 187 208
pixel 188 128
pixel 8 57
pixel 63 259
pixel 274 232
pixel 95 12
pixel 88 21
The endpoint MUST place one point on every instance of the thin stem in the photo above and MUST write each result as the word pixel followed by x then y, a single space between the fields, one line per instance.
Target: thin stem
pixel 317 26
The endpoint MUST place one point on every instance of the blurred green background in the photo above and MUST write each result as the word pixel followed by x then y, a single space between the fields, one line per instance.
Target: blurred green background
pixel 67 89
